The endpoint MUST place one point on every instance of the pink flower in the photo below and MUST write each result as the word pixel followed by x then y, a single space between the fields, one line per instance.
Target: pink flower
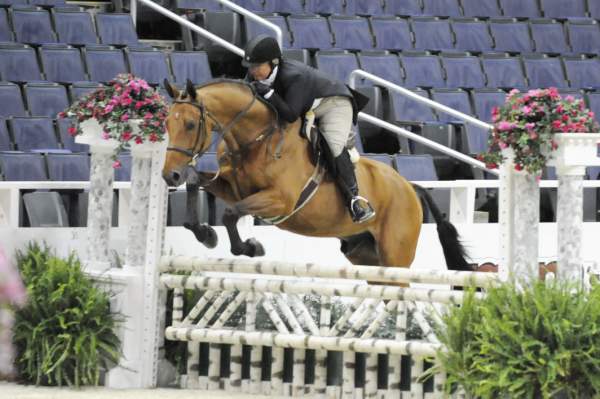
pixel 105 135
pixel 530 126
pixel 560 109
pixel 553 92
pixel 556 124
pixel 147 115
pixel 116 164
pixel 518 166
pixel 138 104
pixel 153 138
pixel 126 101
pixel 513 92
pixel 108 108
pixel 565 118
pixel 503 126
pixel 533 135
pixel 138 140
pixel 526 110
pixel 125 117
pixel 502 144
pixel 62 115
pixel 126 135
pixel 569 99
pixel 72 131
pixel 591 115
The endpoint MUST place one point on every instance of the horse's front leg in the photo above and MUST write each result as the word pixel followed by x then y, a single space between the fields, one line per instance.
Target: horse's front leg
pixel 203 231
pixel 260 204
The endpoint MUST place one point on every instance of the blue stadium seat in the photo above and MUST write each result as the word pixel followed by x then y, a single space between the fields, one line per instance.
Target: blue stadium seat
pixel 32 26
pixel 404 8
pixel 593 102
pixel 252 5
pixel 6 34
pixel 198 5
pixel 549 36
pixel 454 98
pixel 386 66
pixel 520 8
pixel 284 6
pixel 385 159
pixel 472 35
pixel 481 8
pixel 462 70
pixel 544 72
pixel 511 35
pixel 337 64
pixel 191 65
pixel 104 64
pixel 575 93
pixel 6 3
pixel 310 32
pixel 33 133
pixel 117 29
pixel 375 108
pixel 254 28
pixel 422 70
pixel 19 166
pixel 484 100
pixel 19 64
pixel 582 73
pixel 5 141
pixel 68 167
pixel 442 8
pixel 48 3
pixel 416 167
pixel 149 64
pixel 408 111
pixel 68 141
pixel 63 65
pixel 74 27
pixel 351 33
pixel 365 7
pixel 392 34
pixel 325 7
pixel 79 89
pixel 124 172
pixel 504 72
pixel 225 24
pixel 432 34
pixel 11 100
pixel 46 99
pixel 594 9
pixel 207 163
pixel 584 35
pixel 562 9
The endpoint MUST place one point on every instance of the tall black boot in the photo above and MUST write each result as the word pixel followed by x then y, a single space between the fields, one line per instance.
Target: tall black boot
pixel 359 207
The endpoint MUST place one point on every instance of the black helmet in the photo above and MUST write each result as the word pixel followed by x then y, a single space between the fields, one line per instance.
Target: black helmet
pixel 260 49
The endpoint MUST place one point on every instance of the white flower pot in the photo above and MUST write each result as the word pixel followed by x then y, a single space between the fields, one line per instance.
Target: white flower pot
pixel 92 136
pixel 575 151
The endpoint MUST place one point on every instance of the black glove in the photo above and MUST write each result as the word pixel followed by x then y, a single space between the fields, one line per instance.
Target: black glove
pixel 261 88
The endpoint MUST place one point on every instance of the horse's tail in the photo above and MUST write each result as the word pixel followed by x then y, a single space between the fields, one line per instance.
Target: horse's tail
pixel 454 252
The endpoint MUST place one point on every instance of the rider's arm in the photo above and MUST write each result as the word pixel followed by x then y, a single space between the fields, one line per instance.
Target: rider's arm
pixel 283 109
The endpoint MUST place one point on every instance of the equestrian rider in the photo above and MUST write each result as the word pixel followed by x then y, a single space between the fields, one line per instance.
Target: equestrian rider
pixel 294 89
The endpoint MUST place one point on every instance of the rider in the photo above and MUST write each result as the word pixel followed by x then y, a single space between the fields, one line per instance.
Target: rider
pixel 294 88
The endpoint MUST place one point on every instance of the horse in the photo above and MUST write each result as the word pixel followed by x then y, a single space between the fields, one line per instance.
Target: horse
pixel 264 167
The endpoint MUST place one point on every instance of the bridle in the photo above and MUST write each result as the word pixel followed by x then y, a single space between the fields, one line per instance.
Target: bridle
pixel 201 132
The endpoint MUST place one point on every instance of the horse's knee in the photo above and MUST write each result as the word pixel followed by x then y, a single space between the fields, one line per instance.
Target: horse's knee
pixel 230 216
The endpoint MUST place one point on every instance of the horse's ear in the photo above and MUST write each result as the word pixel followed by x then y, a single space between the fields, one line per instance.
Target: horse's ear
pixel 171 90
pixel 190 89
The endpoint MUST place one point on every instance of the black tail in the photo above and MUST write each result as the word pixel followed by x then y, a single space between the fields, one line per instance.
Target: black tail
pixel 454 252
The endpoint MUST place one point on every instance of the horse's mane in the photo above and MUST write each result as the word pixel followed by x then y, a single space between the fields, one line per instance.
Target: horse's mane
pixel 240 82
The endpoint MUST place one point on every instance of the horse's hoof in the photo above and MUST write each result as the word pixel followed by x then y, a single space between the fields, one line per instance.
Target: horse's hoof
pixel 254 247
pixel 203 233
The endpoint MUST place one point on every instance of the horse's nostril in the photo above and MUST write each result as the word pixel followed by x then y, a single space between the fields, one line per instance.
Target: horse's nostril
pixel 175 176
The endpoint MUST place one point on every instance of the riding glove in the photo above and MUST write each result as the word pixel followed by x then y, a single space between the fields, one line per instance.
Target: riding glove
pixel 262 89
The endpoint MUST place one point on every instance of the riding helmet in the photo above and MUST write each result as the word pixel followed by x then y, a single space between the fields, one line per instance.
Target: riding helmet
pixel 260 49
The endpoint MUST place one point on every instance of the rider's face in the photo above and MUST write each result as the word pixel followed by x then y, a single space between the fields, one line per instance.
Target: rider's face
pixel 260 71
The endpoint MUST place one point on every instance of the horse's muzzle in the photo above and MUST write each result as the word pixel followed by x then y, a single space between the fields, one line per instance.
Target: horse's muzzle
pixel 174 178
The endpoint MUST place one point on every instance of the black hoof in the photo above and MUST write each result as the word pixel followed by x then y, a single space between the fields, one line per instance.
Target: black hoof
pixel 204 234
pixel 254 248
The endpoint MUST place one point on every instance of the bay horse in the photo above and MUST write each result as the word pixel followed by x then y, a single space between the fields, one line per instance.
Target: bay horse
pixel 264 167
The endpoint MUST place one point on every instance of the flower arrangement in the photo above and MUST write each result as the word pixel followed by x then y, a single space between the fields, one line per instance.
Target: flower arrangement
pixel 527 122
pixel 125 99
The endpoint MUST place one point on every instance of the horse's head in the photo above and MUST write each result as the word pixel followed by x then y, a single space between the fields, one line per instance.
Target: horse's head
pixel 220 107
pixel 190 133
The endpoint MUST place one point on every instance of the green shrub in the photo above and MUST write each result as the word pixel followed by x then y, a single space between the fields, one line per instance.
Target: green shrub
pixel 65 332
pixel 531 343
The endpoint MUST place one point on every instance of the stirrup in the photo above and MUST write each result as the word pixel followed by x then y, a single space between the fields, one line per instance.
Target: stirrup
pixel 368 213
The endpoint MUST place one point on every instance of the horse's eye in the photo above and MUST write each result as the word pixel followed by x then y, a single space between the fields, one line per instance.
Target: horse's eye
pixel 190 125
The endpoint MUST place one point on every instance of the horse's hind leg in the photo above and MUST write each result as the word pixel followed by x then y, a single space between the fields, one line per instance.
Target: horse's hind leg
pixel 203 232
pixel 251 247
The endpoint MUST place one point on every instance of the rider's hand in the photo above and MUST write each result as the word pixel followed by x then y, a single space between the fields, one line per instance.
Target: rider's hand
pixel 261 88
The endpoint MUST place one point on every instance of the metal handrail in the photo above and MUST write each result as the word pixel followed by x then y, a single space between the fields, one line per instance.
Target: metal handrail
pixel 188 24
pixel 412 136
pixel 203 32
